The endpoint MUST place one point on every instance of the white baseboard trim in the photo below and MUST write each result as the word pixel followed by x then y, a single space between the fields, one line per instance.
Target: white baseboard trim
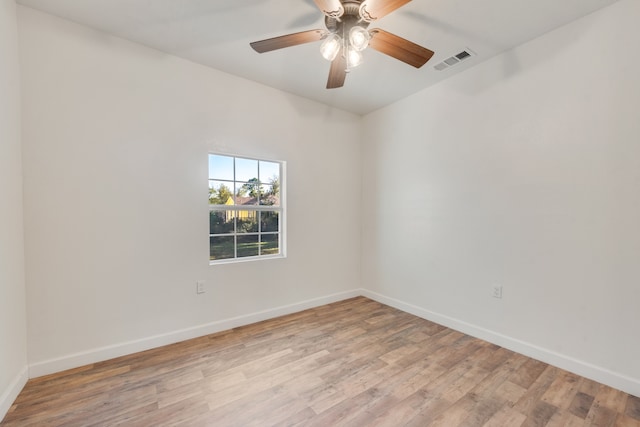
pixel 9 395
pixel 71 361
pixel 613 379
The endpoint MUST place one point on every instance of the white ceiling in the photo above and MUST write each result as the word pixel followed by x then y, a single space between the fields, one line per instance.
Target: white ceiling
pixel 217 33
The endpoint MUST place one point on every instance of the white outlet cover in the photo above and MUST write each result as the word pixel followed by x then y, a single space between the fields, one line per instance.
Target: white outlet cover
pixel 200 287
pixel 497 291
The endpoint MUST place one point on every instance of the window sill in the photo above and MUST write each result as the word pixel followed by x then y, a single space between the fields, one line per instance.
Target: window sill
pixel 245 259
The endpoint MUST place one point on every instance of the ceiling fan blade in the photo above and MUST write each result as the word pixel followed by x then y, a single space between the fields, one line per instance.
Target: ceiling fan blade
pixel 337 72
pixel 399 48
pixel 376 9
pixel 331 8
pixel 289 40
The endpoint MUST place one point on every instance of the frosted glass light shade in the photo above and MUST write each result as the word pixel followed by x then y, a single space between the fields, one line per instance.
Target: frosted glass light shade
pixel 330 47
pixel 354 58
pixel 359 38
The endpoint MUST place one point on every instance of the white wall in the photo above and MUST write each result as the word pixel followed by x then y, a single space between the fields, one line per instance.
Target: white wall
pixel 115 139
pixel 525 172
pixel 522 171
pixel 13 333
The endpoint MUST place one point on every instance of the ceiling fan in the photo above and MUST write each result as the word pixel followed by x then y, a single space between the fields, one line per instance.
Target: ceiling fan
pixel 347 36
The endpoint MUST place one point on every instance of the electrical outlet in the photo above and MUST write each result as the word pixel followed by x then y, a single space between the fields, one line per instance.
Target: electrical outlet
pixel 497 291
pixel 200 287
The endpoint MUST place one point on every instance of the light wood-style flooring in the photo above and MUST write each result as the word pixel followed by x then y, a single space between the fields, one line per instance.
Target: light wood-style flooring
pixel 351 363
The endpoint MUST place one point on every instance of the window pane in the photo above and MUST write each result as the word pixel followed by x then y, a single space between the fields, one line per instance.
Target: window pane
pixel 247 222
pixel 247 193
pixel 269 221
pixel 246 169
pixel 220 192
pixel 269 245
pixel 221 247
pixel 269 171
pixel 248 245
pixel 269 195
pixel 221 222
pixel 220 167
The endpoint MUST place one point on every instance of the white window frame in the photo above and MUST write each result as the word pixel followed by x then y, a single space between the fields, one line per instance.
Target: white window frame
pixel 252 208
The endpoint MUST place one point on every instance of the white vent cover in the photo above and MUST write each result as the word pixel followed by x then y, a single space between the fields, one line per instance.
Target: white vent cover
pixel 455 59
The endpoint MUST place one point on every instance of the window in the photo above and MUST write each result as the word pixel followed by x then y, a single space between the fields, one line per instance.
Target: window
pixel 245 208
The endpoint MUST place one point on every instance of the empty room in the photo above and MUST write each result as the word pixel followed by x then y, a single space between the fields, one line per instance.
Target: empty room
pixel 319 213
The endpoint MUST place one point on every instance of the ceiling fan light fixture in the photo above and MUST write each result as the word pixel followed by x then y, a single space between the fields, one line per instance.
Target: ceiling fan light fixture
pixel 330 47
pixel 354 58
pixel 364 13
pixel 359 38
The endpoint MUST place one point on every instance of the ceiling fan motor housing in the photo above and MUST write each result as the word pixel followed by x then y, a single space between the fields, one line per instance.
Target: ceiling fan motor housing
pixel 350 18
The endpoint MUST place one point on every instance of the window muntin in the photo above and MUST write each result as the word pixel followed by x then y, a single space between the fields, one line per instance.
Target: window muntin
pixel 245 208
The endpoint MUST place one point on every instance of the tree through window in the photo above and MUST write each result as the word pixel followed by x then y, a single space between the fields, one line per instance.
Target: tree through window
pixel 245 208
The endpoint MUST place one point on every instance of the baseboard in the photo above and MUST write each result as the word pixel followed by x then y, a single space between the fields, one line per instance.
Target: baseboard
pixel 109 352
pixel 596 373
pixel 579 367
pixel 9 395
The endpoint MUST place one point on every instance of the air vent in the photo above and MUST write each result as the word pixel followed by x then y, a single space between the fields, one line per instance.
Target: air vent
pixel 453 60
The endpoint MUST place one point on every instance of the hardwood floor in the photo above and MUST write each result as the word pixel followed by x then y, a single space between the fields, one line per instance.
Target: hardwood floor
pixel 352 363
